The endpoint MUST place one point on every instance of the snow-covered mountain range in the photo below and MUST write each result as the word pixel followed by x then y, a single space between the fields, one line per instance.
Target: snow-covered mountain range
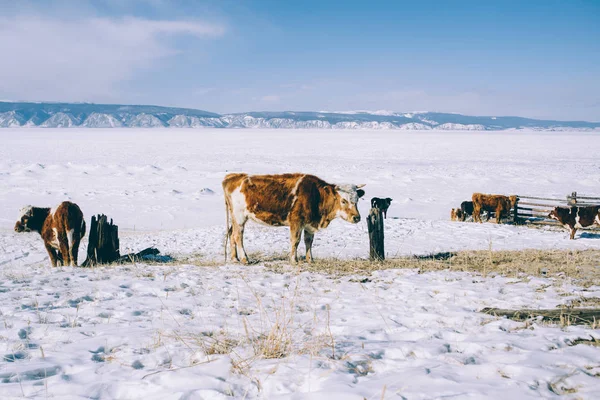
pixel 67 115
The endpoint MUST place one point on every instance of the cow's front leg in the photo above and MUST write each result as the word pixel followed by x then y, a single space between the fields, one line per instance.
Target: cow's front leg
pixel 476 213
pixel 295 233
pixel 573 230
pixel 51 254
pixel 308 241
pixel 498 214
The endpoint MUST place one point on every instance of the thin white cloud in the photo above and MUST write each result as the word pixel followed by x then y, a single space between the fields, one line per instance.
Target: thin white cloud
pixel 54 59
pixel 271 98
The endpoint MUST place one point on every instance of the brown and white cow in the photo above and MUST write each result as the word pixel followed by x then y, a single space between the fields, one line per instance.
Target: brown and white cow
pixel 499 204
pixel 302 202
pixel 61 228
pixel 575 217
pixel 456 214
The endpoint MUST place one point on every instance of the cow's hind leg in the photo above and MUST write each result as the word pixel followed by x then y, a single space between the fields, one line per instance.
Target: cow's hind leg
pixel 52 254
pixel 74 250
pixel 63 246
pixel 308 241
pixel 295 234
pixel 232 244
pixel 238 234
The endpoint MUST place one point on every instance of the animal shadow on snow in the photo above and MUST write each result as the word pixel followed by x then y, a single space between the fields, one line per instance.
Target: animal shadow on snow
pixel 589 235
pixel 437 256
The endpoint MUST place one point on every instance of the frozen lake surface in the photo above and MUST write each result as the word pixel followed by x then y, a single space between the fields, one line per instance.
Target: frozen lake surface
pixel 156 332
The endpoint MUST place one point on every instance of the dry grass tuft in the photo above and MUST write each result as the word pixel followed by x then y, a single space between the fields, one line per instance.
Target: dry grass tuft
pixel 592 341
pixel 214 343
pixel 578 264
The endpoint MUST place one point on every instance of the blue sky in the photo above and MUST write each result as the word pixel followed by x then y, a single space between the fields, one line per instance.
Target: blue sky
pixel 530 58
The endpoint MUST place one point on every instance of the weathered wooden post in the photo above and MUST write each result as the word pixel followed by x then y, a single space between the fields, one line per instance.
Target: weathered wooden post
pixel 375 225
pixel 572 199
pixel 103 245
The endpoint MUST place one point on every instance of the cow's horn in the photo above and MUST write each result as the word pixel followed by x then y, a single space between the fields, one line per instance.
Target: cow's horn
pixel 361 185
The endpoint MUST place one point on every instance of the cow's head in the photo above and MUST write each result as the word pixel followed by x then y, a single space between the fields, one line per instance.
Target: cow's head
pixel 513 200
pixel 347 197
pixel 453 215
pixel 554 214
pixel 25 215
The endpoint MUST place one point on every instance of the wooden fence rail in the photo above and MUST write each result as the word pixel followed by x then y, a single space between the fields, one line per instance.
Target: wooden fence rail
pixel 533 214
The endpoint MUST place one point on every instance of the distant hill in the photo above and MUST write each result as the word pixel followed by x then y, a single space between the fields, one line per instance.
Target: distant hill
pixel 87 115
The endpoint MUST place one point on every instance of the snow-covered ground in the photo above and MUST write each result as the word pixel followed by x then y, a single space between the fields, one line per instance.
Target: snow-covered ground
pixel 145 331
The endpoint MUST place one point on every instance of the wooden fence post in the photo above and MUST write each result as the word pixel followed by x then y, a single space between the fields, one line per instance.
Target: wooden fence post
pixel 103 245
pixel 516 212
pixel 375 225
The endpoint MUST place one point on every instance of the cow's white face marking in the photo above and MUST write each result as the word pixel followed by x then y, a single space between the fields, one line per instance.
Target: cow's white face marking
pixel 24 214
pixel 26 211
pixel 347 206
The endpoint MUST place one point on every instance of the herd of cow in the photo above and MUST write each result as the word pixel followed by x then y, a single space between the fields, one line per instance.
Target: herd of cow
pixel 303 202
pixel 571 217
pixel 492 203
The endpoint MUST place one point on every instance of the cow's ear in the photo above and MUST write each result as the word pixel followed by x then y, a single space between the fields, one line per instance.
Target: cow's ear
pixel 360 193
pixel 335 188
pixel 388 199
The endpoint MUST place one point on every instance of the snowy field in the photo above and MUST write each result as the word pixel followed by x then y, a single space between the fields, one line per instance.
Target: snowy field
pixel 184 331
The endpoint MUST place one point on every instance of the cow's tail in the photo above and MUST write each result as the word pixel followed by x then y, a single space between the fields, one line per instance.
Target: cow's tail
pixel 228 228
pixel 83 227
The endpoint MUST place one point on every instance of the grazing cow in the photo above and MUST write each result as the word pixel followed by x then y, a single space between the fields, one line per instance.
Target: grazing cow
pixel 61 228
pixel 461 214
pixel 575 217
pixel 466 208
pixel 456 214
pixel 499 204
pixel 382 204
pixel 302 202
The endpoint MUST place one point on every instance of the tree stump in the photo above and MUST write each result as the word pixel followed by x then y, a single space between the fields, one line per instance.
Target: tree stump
pixel 375 224
pixel 103 245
